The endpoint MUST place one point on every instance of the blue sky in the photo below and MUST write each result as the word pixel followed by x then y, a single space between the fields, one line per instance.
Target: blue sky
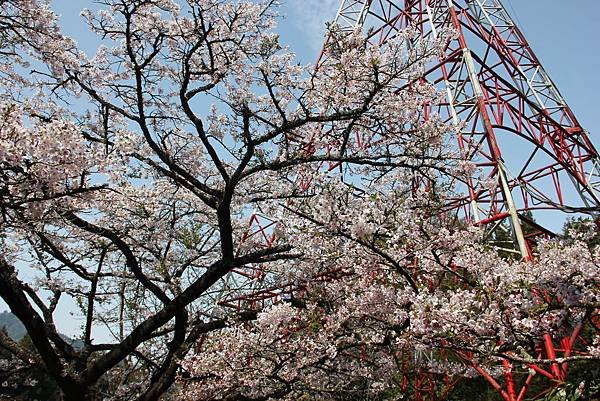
pixel 565 35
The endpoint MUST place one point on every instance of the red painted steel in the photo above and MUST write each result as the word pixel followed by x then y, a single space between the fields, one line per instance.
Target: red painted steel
pixel 531 152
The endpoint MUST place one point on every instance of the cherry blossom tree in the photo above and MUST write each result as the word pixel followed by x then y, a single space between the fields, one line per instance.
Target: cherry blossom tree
pixel 408 291
pixel 128 178
pixel 129 175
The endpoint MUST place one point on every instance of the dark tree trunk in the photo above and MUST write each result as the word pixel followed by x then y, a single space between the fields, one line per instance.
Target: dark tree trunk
pixel 81 393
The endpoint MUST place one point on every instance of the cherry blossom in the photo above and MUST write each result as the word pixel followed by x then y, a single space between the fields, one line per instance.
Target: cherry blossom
pixel 131 177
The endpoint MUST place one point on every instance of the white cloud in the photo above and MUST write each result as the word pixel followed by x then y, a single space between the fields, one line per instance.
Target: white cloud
pixel 310 16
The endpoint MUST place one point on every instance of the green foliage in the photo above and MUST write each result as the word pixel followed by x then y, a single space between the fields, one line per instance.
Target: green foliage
pixel 582 228
pixel 25 383
pixel 584 391
pixel 473 389
pixel 583 384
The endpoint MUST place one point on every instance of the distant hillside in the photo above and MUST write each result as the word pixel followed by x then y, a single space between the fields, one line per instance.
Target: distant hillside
pixel 13 326
pixel 17 331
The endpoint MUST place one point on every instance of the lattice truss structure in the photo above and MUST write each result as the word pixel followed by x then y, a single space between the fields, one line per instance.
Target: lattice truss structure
pixel 495 83
pixel 533 157
pixel 519 130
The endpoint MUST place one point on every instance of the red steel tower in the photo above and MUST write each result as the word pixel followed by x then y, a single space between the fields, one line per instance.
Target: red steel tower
pixel 534 160
pixel 531 152
pixel 519 130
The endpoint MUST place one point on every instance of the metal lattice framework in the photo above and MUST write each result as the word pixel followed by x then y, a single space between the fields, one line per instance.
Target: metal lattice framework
pixel 531 152
pixel 520 132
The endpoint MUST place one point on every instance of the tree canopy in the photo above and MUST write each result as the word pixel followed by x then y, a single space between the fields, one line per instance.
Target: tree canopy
pixel 130 180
